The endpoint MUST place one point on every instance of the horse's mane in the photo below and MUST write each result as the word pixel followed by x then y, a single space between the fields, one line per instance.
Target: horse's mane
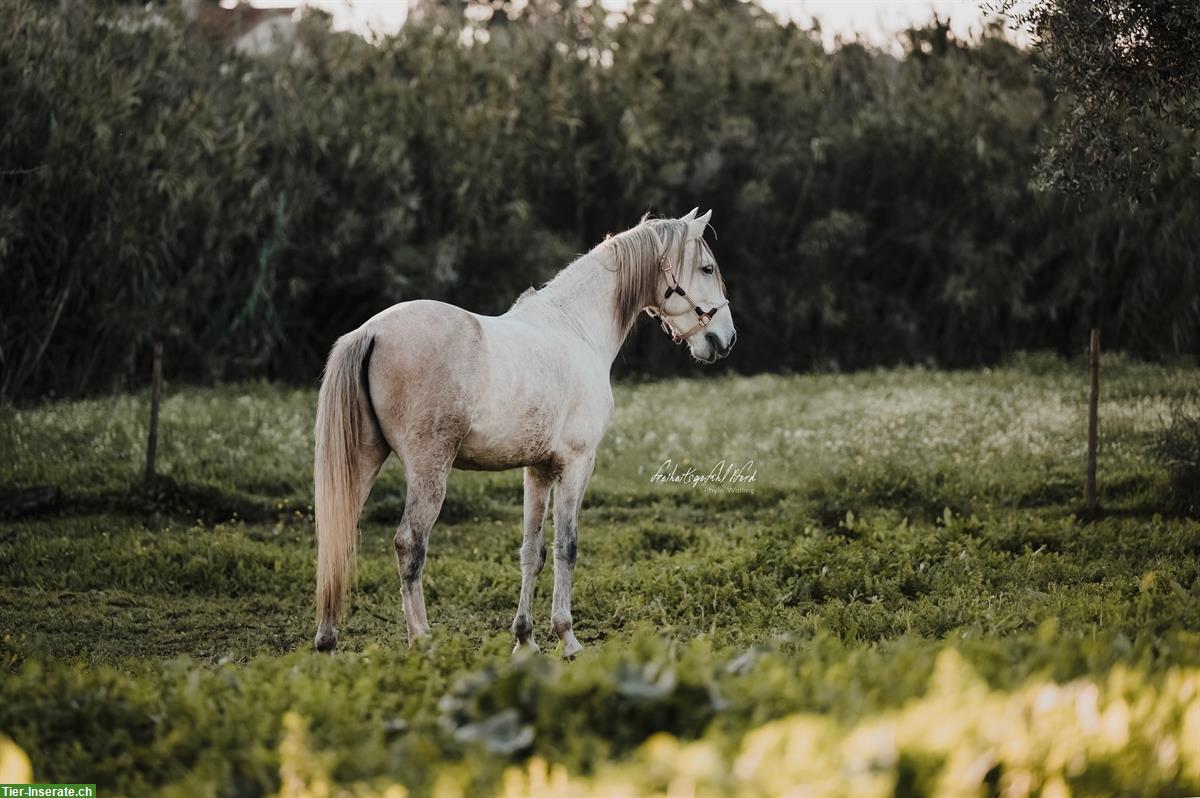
pixel 528 292
pixel 634 254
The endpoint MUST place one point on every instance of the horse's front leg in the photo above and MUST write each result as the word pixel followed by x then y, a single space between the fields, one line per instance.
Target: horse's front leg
pixel 568 496
pixel 533 554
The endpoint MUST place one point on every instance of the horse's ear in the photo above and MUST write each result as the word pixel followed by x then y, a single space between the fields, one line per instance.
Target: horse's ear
pixel 696 226
pixel 690 214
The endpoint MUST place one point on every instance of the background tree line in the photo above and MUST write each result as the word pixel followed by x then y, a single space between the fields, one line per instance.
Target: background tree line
pixel 871 209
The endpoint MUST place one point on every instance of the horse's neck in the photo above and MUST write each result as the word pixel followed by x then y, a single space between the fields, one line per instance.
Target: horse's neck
pixel 581 297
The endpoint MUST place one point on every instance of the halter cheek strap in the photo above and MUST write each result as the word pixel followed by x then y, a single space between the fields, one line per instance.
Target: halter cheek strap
pixel 703 317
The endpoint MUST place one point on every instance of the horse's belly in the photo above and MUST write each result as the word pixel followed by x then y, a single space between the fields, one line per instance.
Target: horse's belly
pixel 503 448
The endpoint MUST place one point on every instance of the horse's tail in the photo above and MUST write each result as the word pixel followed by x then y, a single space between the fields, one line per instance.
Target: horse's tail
pixel 337 475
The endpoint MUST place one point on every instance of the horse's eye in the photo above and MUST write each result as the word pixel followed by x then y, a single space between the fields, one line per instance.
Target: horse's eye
pixel 706 269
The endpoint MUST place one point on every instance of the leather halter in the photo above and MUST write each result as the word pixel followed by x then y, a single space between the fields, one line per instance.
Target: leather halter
pixel 703 317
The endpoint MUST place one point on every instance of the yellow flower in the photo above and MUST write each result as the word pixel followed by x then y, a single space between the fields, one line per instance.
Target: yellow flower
pixel 14 764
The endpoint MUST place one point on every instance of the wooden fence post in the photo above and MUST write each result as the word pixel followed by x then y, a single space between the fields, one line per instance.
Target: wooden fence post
pixel 1093 420
pixel 155 395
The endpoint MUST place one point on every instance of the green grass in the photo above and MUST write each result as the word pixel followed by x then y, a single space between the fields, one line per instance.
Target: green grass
pixel 157 637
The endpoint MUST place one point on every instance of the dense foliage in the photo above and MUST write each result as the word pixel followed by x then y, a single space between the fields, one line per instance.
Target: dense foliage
pixel 1129 73
pixel 906 604
pixel 871 208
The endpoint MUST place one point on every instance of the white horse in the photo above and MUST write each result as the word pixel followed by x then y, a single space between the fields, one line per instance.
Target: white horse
pixel 445 388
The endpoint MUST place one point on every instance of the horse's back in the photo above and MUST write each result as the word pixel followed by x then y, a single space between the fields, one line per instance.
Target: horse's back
pixel 498 390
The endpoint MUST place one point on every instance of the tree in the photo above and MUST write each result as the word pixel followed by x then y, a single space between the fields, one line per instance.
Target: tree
pixel 1129 73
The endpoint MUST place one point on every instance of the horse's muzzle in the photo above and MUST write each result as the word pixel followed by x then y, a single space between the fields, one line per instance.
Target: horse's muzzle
pixel 720 350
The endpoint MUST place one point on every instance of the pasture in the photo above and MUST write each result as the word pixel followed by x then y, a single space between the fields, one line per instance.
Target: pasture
pixel 907 599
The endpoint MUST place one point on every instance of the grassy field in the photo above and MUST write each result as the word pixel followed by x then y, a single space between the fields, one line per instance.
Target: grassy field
pixel 907 600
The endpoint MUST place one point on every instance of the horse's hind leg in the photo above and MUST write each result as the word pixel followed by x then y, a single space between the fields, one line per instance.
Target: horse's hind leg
pixel 533 554
pixel 568 496
pixel 426 476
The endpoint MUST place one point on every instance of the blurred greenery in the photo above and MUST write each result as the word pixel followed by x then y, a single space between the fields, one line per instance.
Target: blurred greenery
pixel 872 208
pixel 909 589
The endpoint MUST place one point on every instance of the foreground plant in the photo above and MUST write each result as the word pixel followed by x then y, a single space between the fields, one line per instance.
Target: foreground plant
pixel 1124 734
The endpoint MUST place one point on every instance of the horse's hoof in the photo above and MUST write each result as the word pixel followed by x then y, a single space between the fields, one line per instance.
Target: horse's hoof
pixel 326 640
pixel 571 647
pixel 525 649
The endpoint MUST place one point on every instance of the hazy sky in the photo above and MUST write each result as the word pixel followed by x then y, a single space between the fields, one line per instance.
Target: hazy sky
pixel 877 20
pixel 873 20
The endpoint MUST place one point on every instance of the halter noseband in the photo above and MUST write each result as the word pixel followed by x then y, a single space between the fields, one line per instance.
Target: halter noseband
pixel 703 317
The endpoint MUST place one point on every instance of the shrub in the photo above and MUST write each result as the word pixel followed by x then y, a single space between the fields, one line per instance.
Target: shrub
pixel 1178 448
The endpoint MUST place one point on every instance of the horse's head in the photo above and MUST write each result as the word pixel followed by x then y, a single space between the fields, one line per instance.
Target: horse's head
pixel 692 304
